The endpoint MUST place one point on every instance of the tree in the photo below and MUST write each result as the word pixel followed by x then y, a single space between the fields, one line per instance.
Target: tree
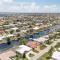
pixel 17 30
pixel 18 56
pixel 51 51
pixel 8 41
pixel 48 42
pixel 24 55
pixel 11 32
pixel 18 36
pixel 50 37
pixel 23 41
pixel 54 37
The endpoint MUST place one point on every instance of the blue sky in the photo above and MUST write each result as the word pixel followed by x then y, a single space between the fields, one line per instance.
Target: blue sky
pixel 41 6
pixel 41 1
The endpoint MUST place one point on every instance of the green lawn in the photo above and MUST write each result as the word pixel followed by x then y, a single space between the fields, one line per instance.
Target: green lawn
pixel 44 57
pixel 47 55
pixel 58 45
pixel 42 46
pixel 25 59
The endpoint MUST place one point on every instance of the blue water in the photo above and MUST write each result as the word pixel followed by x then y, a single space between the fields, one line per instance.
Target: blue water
pixel 38 34
pixel 44 32
pixel 5 46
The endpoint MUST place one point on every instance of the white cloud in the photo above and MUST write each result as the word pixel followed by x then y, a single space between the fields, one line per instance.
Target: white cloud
pixel 50 8
pixel 12 6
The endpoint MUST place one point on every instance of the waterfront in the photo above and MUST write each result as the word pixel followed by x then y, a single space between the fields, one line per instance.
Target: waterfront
pixel 45 31
pixel 5 46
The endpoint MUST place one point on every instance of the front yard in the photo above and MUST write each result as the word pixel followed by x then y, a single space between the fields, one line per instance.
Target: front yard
pixel 58 45
pixel 42 46
pixel 47 55
pixel 44 57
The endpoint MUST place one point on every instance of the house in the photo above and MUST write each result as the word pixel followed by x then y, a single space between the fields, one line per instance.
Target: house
pixel 56 55
pixel 23 48
pixel 2 39
pixel 36 28
pixel 34 45
pixel 23 31
pixel 14 28
pixel 41 39
pixel 2 32
pixel 2 21
pixel 9 35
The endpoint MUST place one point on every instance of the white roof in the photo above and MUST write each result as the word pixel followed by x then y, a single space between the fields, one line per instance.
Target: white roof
pixel 1 37
pixel 15 28
pixel 23 48
pixel 59 49
pixel 56 55
pixel 36 28
pixel 23 30
pixel 41 39
pixel 10 35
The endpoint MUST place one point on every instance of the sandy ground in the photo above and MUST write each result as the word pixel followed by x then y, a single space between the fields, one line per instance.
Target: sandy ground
pixel 6 55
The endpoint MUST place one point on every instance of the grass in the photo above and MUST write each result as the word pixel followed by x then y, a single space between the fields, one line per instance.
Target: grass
pixel 47 55
pixel 48 42
pixel 31 55
pixel 25 59
pixel 44 57
pixel 58 45
pixel 35 51
pixel 42 46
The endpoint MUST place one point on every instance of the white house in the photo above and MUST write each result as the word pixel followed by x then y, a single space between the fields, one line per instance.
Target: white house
pixel 1 37
pixel 56 55
pixel 15 28
pixel 23 48
pixel 36 28
pixel 42 39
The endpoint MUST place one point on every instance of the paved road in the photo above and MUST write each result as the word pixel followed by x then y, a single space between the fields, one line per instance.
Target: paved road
pixel 42 52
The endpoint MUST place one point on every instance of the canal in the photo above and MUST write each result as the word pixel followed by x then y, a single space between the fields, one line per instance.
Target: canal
pixel 45 31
